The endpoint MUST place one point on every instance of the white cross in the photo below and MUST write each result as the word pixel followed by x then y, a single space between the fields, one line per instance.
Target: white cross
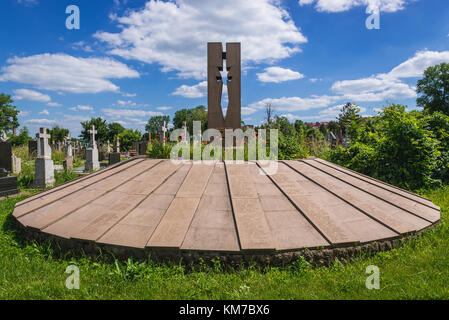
pixel 92 132
pixel 43 137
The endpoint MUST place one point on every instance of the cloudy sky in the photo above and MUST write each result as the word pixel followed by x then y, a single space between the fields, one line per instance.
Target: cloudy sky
pixel 133 59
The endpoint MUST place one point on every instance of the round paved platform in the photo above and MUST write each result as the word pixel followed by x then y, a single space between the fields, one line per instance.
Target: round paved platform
pixel 225 208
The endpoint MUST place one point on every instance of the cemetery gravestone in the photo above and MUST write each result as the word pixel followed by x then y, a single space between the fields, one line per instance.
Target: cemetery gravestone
pixel 92 162
pixel 114 157
pixel 44 172
pixel 32 148
pixel 68 162
pixel 8 185
pixel 16 165
pixel 163 129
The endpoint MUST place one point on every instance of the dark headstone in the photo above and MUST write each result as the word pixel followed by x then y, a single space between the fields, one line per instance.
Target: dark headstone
pixel 32 148
pixel 143 146
pixel 114 157
pixel 8 186
pixel 6 156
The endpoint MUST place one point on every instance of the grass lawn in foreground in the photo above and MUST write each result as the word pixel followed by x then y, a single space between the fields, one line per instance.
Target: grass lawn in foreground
pixel 417 270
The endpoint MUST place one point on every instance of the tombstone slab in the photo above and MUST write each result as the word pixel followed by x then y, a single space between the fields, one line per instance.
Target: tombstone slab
pixel 6 156
pixel 44 172
pixel 32 148
pixel 92 163
pixel 114 157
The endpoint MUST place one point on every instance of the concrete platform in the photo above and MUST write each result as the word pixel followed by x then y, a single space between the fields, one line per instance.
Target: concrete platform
pixel 151 205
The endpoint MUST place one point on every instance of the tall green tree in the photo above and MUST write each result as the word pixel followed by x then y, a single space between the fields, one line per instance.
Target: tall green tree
pixel 198 113
pixel 100 127
pixel 349 119
pixel 58 134
pixel 434 89
pixel 114 129
pixel 154 124
pixel 8 114
pixel 127 137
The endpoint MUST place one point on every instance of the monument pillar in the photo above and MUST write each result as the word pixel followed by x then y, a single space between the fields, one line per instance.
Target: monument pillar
pixel 215 58
pixel 44 172
pixel 92 162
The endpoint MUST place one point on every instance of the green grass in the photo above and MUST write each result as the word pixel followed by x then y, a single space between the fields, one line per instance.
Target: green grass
pixel 417 270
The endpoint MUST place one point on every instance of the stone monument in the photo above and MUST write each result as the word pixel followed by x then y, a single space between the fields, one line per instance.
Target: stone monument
pixel 68 162
pixel 8 185
pixel 215 58
pixel 44 172
pixel 114 157
pixel 163 129
pixel 32 148
pixel 92 162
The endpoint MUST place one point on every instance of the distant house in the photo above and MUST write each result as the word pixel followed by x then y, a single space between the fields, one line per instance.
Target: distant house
pixel 317 125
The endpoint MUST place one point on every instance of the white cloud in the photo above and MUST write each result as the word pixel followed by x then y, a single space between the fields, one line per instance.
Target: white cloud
pixel 278 74
pixel 24 113
pixel 129 95
pixel 28 3
pixel 415 66
pixel 128 113
pixel 174 34
pixel 41 121
pixel 129 103
pixel 30 95
pixel 81 45
pixel 82 108
pixel 164 108
pixel 45 112
pixel 54 104
pixel 64 73
pixel 389 86
pixel 196 91
pixel 292 104
pixel 345 5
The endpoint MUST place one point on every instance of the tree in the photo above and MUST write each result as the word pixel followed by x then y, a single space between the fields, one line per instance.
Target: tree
pixel 349 119
pixel 198 113
pixel 8 114
pixel 114 129
pixel 269 113
pixel 434 89
pixel 21 139
pixel 154 124
pixel 127 137
pixel 100 127
pixel 58 134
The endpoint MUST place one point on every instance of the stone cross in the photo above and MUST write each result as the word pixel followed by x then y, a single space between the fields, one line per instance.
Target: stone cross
pixel 117 145
pixel 93 132
pixel 215 65
pixel 44 167
pixel 184 131
pixel 163 129
pixel 3 137
pixel 69 148
pixel 44 150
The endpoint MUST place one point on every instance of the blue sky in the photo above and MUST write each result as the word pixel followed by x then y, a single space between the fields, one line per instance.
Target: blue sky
pixel 132 59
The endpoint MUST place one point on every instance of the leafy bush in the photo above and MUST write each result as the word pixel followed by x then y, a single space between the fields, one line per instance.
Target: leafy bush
pixel 402 151
pixel 157 150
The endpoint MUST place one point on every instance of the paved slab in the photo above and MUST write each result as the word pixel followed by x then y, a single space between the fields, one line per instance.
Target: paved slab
pixel 227 207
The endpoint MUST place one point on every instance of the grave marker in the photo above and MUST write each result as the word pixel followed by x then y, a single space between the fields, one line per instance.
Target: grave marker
pixel 92 162
pixel 44 175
